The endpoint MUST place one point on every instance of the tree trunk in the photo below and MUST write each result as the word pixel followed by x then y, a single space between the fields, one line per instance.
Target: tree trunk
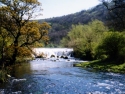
pixel 15 53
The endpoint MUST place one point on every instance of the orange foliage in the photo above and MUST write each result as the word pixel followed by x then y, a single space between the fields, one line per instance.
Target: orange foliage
pixel 24 52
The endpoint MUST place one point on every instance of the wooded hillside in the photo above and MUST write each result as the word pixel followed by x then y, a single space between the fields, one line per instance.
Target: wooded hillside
pixel 61 25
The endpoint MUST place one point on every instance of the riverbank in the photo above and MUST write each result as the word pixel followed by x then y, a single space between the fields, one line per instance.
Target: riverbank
pixel 104 66
pixel 60 77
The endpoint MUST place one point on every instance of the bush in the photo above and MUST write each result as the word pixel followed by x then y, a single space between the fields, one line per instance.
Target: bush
pixel 2 76
pixel 113 46
pixel 84 39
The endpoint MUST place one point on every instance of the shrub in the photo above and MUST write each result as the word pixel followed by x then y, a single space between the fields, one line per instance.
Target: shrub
pixel 2 76
pixel 84 39
pixel 113 46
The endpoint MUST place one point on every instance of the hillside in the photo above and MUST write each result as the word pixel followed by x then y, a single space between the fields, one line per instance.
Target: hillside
pixel 61 25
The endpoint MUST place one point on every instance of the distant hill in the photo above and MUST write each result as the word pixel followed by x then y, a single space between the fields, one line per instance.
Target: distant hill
pixel 61 25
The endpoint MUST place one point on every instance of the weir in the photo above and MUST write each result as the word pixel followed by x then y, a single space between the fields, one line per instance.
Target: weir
pixel 58 76
pixel 53 52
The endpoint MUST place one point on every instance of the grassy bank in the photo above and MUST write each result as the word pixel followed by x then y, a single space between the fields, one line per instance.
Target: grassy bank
pixel 104 66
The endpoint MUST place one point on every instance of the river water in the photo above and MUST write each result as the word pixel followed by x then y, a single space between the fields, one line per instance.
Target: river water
pixel 58 76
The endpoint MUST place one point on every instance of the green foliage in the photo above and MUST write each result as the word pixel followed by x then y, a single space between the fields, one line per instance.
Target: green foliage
pixel 2 76
pixel 85 38
pixel 61 25
pixel 4 73
pixel 113 47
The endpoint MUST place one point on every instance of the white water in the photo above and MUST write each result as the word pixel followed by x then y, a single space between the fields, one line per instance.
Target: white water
pixel 58 76
pixel 48 52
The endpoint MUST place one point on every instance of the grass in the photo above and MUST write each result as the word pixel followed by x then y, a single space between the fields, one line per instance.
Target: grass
pixel 104 66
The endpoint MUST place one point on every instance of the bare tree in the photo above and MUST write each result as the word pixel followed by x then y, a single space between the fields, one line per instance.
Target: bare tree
pixel 116 10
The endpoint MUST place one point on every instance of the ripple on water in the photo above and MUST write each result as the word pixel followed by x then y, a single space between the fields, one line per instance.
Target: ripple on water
pixel 64 80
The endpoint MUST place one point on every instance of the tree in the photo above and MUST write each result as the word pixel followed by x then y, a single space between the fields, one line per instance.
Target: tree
pixel 116 10
pixel 113 47
pixel 85 38
pixel 15 19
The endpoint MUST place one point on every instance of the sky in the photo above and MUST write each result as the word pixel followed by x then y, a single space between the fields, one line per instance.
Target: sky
pixel 56 8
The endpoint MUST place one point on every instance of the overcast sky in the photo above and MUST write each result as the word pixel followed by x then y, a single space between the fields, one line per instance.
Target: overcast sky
pixel 55 8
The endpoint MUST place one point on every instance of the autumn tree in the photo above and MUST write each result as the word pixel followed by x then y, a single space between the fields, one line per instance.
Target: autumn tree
pixel 16 18
pixel 116 11
pixel 4 40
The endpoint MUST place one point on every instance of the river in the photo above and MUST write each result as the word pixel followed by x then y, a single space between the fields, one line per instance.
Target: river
pixel 58 76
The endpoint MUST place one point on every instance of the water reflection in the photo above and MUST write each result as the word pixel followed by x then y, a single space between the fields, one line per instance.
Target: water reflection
pixel 20 70
pixel 40 64
pixel 59 77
